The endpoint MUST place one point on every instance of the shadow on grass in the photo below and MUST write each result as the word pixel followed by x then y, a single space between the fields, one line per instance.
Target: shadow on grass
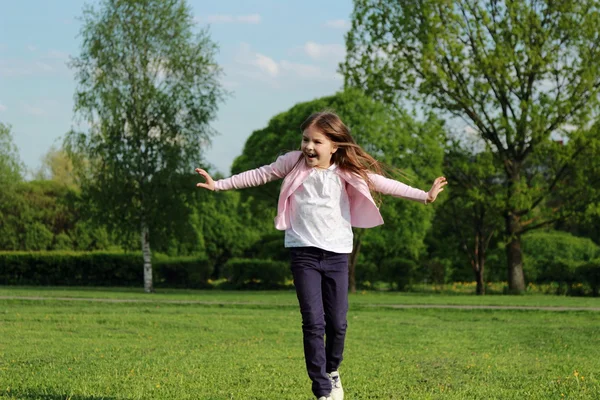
pixel 45 395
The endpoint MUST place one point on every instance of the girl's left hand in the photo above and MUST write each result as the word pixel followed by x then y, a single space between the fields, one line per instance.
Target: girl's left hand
pixel 436 188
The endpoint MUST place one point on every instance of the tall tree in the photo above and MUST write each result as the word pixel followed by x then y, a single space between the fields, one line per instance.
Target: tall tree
pixel 516 71
pixel 148 88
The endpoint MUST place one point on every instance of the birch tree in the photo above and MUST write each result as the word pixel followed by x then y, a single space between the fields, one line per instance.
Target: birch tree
pixel 147 89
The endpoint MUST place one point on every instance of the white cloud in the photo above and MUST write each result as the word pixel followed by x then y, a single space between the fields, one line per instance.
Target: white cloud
pixel 316 51
pixel 231 19
pixel 266 64
pixel 31 48
pixel 2 108
pixel 337 24
pixel 301 70
pixel 36 111
pixel 252 65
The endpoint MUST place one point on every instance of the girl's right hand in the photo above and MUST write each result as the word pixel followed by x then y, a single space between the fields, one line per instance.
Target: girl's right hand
pixel 210 184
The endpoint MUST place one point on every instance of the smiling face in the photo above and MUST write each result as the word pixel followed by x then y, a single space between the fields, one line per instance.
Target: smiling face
pixel 317 148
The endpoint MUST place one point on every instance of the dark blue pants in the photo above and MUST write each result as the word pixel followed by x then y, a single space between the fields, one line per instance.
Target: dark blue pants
pixel 321 281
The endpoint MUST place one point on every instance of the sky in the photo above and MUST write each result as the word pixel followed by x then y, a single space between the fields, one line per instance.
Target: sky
pixel 274 54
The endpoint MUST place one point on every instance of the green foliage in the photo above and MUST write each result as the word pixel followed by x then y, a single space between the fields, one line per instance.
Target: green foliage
pixel 516 72
pixel 590 274
pixel 38 237
pixel 69 268
pixel 148 87
pixel 399 271
pixel 183 272
pixel 48 215
pixel 555 256
pixel 11 167
pixel 57 166
pixel 256 273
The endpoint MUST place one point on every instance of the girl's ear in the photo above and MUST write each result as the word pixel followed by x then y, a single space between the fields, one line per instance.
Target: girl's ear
pixel 334 149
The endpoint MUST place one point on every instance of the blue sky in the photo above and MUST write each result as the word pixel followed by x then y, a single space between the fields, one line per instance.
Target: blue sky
pixel 275 53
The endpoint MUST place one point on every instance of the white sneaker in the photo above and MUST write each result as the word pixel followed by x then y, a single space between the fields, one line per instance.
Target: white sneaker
pixel 325 398
pixel 337 392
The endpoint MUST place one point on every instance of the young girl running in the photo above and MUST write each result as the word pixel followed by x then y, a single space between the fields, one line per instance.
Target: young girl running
pixel 326 191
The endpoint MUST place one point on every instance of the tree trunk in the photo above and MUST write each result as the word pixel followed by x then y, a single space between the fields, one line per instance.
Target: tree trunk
pixel 148 287
pixel 514 256
pixel 479 279
pixel 480 248
pixel 353 259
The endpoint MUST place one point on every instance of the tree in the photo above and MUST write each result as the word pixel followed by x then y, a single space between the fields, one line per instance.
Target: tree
pixel 57 166
pixel 147 88
pixel 391 136
pixel 473 203
pixel 518 72
pixel 11 167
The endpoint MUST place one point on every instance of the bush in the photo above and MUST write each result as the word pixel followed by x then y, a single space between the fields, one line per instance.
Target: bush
pixel 555 256
pixel 256 273
pixel 590 274
pixel 399 271
pixel 182 272
pixel 63 268
pixel 59 268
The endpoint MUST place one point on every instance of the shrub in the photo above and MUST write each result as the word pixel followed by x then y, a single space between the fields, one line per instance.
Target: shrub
pixel 590 274
pixel 555 256
pixel 257 273
pixel 62 268
pixel 66 268
pixel 182 272
pixel 399 271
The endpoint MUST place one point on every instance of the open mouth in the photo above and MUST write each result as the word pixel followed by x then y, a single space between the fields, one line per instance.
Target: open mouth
pixel 311 155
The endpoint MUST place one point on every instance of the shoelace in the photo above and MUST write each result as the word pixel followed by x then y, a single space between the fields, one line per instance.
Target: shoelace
pixel 335 382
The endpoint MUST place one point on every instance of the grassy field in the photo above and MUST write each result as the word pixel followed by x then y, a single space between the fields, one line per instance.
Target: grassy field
pixel 288 297
pixel 55 349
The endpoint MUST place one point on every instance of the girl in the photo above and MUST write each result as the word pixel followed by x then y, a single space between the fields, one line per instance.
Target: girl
pixel 325 192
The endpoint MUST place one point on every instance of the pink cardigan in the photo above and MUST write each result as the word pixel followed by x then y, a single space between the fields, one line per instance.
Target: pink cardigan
pixel 363 210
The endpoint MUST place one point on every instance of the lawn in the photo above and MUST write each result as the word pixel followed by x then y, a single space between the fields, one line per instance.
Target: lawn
pixel 55 349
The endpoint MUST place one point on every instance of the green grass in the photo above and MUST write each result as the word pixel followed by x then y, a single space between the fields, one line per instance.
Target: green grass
pixel 288 297
pixel 55 349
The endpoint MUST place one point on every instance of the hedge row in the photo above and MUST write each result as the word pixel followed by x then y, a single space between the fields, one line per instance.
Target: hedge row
pixel 244 273
pixel 100 269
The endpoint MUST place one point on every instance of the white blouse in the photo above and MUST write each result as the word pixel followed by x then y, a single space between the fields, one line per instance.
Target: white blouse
pixel 320 213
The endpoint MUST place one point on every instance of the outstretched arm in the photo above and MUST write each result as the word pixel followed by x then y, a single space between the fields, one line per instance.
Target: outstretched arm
pixel 254 177
pixel 398 189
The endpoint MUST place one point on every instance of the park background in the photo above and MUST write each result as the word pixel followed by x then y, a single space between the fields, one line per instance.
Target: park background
pixel 499 97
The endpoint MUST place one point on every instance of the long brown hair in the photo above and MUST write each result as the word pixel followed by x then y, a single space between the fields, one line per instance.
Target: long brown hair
pixel 349 155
